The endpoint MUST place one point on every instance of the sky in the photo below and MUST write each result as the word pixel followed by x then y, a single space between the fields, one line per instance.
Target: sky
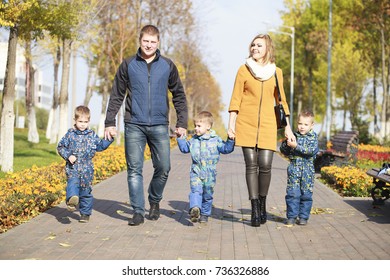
pixel 230 25
pixel 226 28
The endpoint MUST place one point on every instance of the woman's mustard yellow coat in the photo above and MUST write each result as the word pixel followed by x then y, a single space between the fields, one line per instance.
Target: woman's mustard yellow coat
pixel 254 101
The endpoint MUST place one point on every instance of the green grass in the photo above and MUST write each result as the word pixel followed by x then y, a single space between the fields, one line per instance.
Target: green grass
pixel 27 154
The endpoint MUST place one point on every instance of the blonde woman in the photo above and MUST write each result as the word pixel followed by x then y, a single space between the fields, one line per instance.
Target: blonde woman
pixel 252 120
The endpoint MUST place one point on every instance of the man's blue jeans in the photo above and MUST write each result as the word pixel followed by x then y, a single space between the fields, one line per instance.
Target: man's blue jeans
pixel 136 138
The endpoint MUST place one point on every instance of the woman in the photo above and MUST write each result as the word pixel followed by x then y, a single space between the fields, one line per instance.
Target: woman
pixel 252 120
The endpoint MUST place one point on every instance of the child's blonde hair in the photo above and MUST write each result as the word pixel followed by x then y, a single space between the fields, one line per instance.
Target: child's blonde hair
pixel 204 116
pixel 306 113
pixel 82 111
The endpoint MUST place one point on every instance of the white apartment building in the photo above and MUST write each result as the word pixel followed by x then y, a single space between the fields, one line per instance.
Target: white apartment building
pixel 43 92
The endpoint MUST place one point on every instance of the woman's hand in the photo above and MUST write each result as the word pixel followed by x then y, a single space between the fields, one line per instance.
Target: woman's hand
pixel 232 124
pixel 231 133
pixel 288 132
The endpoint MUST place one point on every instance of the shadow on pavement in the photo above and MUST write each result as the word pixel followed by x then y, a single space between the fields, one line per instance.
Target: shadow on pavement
pixel 377 214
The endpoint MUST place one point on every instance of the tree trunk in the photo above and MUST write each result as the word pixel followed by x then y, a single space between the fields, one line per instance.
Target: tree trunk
pixel 103 114
pixel 105 95
pixel 88 93
pixel 32 135
pixel 385 127
pixel 376 127
pixel 7 112
pixel 64 95
pixel 52 127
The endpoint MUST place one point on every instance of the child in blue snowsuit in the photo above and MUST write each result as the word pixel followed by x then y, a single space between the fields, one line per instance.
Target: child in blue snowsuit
pixel 205 148
pixel 77 148
pixel 300 181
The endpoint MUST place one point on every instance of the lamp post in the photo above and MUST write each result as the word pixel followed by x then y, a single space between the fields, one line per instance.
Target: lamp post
pixel 292 35
pixel 328 85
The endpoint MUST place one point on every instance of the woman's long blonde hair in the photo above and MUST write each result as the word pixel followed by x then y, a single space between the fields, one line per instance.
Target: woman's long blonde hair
pixel 270 56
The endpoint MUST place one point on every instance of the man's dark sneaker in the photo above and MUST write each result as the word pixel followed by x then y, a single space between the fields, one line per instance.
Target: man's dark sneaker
pixel 291 221
pixel 84 218
pixel 194 214
pixel 136 220
pixel 203 219
pixel 154 212
pixel 72 203
pixel 302 222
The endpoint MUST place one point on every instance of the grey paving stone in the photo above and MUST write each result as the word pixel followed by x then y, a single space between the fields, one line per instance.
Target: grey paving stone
pixel 352 229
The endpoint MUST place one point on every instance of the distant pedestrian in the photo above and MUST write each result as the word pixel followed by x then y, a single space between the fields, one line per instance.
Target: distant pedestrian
pixel 205 147
pixel 300 181
pixel 77 148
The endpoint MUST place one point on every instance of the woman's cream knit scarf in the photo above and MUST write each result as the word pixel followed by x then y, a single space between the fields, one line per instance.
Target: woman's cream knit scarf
pixel 260 72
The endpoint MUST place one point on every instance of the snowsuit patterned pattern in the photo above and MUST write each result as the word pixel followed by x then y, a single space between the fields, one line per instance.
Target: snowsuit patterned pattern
pixel 205 153
pixel 83 145
pixel 300 182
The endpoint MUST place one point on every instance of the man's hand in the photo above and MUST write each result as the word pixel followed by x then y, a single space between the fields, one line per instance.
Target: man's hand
pixel 110 133
pixel 180 131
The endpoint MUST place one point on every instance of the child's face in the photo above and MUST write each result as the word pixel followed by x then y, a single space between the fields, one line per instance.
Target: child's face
pixel 305 124
pixel 82 123
pixel 201 127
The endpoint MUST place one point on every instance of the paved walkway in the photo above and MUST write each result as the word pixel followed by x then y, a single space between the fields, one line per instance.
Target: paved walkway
pixel 341 229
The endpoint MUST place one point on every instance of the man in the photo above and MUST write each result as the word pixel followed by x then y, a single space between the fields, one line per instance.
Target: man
pixel 147 76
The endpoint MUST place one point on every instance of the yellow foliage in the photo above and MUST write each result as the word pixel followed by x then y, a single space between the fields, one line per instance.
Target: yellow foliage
pixel 25 194
pixel 347 180
pixel 374 148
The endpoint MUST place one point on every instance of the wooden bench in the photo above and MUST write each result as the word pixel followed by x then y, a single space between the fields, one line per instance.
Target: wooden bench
pixel 343 150
pixel 381 191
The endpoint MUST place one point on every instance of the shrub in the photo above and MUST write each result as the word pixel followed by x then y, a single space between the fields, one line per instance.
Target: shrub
pixel 347 180
pixel 25 194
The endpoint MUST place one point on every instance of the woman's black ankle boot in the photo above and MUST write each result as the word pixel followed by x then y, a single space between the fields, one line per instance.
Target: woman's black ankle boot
pixel 263 211
pixel 255 216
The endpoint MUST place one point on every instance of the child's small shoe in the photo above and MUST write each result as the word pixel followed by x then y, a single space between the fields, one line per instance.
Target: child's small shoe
pixel 302 222
pixel 72 203
pixel 291 221
pixel 194 213
pixel 84 218
pixel 203 219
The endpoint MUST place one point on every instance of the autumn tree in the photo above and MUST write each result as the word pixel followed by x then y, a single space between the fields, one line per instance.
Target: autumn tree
pixel 18 17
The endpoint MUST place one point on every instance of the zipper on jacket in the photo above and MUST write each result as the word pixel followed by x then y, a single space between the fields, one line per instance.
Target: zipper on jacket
pixel 149 65
pixel 258 114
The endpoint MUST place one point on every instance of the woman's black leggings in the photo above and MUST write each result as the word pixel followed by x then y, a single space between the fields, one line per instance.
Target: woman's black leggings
pixel 258 164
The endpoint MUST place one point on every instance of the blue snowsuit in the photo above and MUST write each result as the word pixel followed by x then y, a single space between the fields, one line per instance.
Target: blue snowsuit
pixel 83 145
pixel 300 181
pixel 205 153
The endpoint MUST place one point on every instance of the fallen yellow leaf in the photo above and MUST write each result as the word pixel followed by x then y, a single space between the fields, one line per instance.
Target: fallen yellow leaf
pixel 51 237
pixel 375 215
